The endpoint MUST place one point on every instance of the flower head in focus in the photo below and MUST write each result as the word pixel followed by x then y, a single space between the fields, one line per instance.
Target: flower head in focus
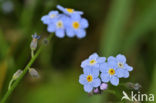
pixel 89 79
pixel 109 73
pixel 77 26
pixel 106 71
pixel 120 62
pixel 93 61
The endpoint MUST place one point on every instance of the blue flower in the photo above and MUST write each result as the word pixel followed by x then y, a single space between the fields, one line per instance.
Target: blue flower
pixel 77 26
pixel 69 11
pixel 93 61
pixel 109 73
pixel 89 79
pixel 58 26
pixel 120 62
pixel 50 18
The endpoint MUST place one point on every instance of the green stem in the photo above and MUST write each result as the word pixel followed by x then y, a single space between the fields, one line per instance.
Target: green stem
pixel 32 53
pixel 14 85
pixel 10 83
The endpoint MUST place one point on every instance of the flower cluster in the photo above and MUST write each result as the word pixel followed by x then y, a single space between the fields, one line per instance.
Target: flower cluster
pixel 69 22
pixel 98 71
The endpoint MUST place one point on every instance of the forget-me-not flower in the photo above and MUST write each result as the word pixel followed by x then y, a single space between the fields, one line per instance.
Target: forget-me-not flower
pixel 109 73
pixel 76 27
pixel 58 26
pixel 69 22
pixel 93 61
pixel 89 79
pixel 124 68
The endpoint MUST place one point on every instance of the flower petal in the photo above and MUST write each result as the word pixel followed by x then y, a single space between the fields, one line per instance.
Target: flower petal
pixel 70 32
pixel 51 28
pixel 114 80
pixel 87 70
pixel 126 74
pixel 93 56
pixel 88 88
pixel 129 68
pixel 81 33
pixel 105 77
pixel 101 60
pixel 60 33
pixel 121 58
pixel 120 72
pixel 84 63
pixel 84 23
pixel 61 8
pixel 111 58
pixel 104 68
pixel 45 19
pixel 82 79
pixel 96 82
pixel 95 72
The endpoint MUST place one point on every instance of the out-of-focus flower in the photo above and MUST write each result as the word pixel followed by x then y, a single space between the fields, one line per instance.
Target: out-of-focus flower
pixel 89 79
pixel 69 11
pixel 77 26
pixel 58 26
pixel 69 22
pixel 34 41
pixel 93 61
pixel 7 6
pixel 103 86
pixel 109 73
pixel 121 64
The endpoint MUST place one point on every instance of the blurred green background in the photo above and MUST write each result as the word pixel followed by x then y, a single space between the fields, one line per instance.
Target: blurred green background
pixel 116 26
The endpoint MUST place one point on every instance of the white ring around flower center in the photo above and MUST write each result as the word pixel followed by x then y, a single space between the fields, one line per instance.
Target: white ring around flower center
pixel 59 24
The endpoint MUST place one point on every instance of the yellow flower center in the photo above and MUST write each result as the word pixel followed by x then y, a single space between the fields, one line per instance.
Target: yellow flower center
pixel 111 71
pixel 59 24
pixel 92 62
pixel 69 10
pixel 52 15
pixel 120 65
pixel 89 78
pixel 76 25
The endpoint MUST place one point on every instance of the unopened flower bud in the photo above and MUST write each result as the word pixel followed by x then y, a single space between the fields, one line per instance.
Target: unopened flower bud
pixel 17 74
pixel 135 86
pixel 103 86
pixel 45 41
pixel 96 91
pixel 33 44
pixel 33 72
